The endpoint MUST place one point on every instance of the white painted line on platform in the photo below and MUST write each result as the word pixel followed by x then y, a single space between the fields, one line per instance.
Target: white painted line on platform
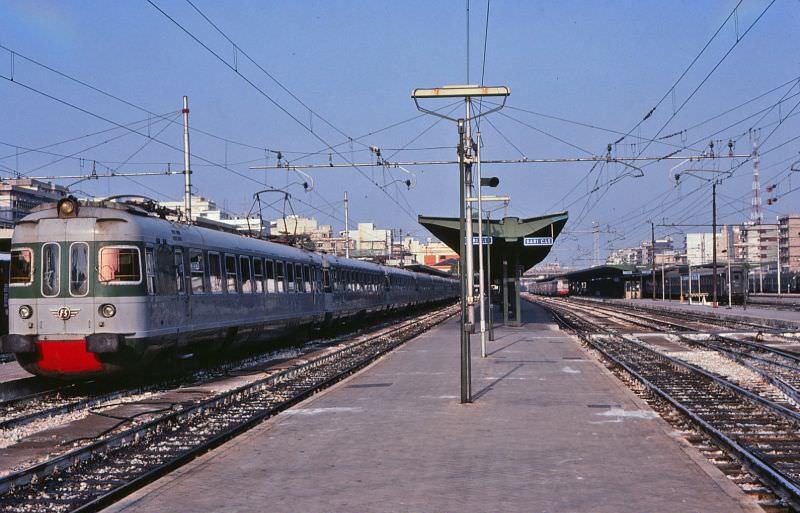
pixel 317 411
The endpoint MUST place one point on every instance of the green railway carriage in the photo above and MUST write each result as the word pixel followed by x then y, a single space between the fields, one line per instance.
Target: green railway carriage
pixel 98 287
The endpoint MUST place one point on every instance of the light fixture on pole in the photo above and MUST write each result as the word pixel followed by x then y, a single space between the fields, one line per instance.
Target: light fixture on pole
pixel 465 160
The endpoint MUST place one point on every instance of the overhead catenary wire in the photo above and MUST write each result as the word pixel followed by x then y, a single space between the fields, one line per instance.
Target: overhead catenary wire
pixel 703 81
pixel 278 105
pixel 163 143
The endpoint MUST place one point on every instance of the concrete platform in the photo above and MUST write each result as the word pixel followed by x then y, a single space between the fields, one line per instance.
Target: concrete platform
pixel 760 312
pixel 550 431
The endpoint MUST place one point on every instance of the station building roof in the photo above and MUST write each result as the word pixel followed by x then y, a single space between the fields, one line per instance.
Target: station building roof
pixel 602 272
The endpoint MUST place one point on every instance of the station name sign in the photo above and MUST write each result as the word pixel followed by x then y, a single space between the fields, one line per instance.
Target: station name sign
pixel 476 240
pixel 537 241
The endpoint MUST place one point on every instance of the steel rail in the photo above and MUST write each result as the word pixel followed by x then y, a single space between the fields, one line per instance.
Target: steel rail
pixel 729 338
pixel 789 372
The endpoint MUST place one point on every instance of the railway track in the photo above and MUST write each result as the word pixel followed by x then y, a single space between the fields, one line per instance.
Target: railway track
pixel 96 475
pixel 777 367
pixel 762 435
pixel 727 322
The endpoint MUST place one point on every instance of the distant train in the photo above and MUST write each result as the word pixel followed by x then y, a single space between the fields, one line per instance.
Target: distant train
pixel 676 284
pixel 100 287
pixel 551 287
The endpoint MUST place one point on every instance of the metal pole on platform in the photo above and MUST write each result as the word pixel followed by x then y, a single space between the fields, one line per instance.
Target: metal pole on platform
pixel 466 364
pixel 187 172
pixel 468 216
pixel 489 281
pixel 465 176
pixel 714 242
pixel 481 287
pixel 505 292
pixel 653 256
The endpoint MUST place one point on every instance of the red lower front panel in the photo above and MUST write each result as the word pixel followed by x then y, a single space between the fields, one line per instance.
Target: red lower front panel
pixel 66 357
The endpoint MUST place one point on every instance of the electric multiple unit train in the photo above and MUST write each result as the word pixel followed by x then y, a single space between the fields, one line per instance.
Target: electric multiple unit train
pixel 100 287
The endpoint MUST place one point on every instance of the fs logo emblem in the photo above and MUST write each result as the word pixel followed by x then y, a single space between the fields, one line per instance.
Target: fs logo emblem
pixel 65 313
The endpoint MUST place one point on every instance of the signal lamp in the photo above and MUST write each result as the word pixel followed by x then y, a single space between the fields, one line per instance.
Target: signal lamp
pixel 68 207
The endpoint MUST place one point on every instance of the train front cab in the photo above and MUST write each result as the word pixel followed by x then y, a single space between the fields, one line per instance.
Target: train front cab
pixel 64 292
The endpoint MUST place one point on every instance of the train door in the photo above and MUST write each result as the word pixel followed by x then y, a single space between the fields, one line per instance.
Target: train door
pixel 65 301
pixel 183 306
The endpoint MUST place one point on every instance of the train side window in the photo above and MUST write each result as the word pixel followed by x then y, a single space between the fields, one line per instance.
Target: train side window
pixel 298 277
pixel 197 271
pixel 307 278
pixel 79 269
pixel 179 271
pixel 215 272
pixel 246 274
pixel 326 280
pixel 230 274
pixel 119 265
pixel 51 267
pixel 271 283
pixel 258 275
pixel 21 268
pixel 279 277
pixel 150 270
pixel 290 277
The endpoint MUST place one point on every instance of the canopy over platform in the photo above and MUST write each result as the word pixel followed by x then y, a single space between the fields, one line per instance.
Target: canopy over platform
pixel 521 243
pixel 512 246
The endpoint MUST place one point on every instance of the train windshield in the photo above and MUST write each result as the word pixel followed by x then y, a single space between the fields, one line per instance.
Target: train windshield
pixel 79 269
pixel 119 265
pixel 51 265
pixel 21 268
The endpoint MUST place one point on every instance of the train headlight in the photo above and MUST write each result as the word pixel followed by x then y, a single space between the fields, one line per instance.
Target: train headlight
pixel 68 207
pixel 108 310
pixel 25 311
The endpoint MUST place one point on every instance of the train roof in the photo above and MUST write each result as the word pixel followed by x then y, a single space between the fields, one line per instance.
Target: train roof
pixel 130 222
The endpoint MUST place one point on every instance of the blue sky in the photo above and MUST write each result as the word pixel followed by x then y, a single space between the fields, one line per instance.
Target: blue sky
pixel 355 63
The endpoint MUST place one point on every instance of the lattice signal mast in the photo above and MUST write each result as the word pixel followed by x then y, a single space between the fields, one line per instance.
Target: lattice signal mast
pixel 756 216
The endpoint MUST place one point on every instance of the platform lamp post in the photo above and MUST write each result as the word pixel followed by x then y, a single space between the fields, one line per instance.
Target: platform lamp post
pixel 465 159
